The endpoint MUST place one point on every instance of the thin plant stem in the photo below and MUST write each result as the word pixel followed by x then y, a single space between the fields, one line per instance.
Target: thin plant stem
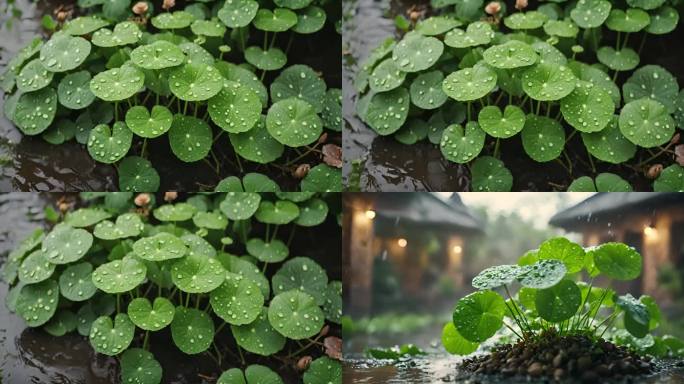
pixel 517 309
pixel 118 303
pixel 607 326
pixel 498 98
pixel 144 146
pixel 468 113
pixel 512 330
pixel 220 327
pixel 567 157
pixel 187 300
pixel 624 43
pixel 116 111
pixel 641 45
pixel 662 150
pixel 265 40
pixel 185 108
pixel 496 148
pixel 146 340
pixel 242 358
pixel 617 42
pixel 275 232
pixel 538 107
pixel 218 353
pixel 274 39
pixel 289 43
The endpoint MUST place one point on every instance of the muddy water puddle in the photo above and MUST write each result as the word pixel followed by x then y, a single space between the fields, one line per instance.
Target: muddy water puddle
pixel 31 164
pixel 385 164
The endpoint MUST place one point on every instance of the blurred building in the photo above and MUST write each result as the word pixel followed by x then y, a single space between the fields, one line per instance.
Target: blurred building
pixel 402 245
pixel 652 223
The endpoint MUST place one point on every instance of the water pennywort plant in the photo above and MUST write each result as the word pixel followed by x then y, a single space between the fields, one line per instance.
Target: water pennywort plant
pixel 567 78
pixel 553 308
pixel 172 274
pixel 116 81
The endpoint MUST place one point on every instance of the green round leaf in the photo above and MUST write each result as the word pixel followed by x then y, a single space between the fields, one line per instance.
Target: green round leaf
pixel 609 144
pixel 62 323
pixel 543 274
pixel 671 179
pixel 497 276
pixel 461 146
pixel 479 315
pixel 118 83
pixel 192 330
pixel 240 205
pixel 278 20
pixel 637 317
pixel 236 108
pixel 35 111
pixel 663 20
pixel 501 126
pixel 109 145
pixel 146 124
pixel 111 338
pixel 76 282
pixel 281 212
pixel 322 178
pixel 426 90
pixel 119 275
pixel 470 83
pixel 65 244
pixel 654 82
pixel 590 13
pixel 271 252
pixel 588 108
pixel 138 366
pixel 237 300
pixel 295 315
pixel 173 20
pixel 259 336
pixel 35 268
pixel 605 182
pixel 238 13
pixel 560 302
pixel 124 33
pixel 257 144
pixel 302 82
pixel 304 274
pixel 158 55
pixel 385 77
pixel 210 220
pixel 525 20
pixel 266 60
pixel 197 274
pixel 310 20
pixel 324 370
pixel 211 28
pixel 561 28
pixel 543 138
pixel 84 25
pixel 646 123
pixel 37 303
pixel 332 307
pixel 625 59
pixel 151 317
pixel 312 213
pixel 618 261
pixel 477 33
pixel 86 217
pixel 490 175
pixel 63 52
pixel 630 21
pixel 387 111
pixel 292 4
pixel 190 138
pixel 437 25
pixel 560 248
pixel 653 311
pixel 74 90
pixel 293 122
pixel 646 4
pixel 195 82
pixel 548 82
pixel 137 175
pixel 160 247
pixel 33 77
pixel 512 54
pixel 456 344
pixel 416 52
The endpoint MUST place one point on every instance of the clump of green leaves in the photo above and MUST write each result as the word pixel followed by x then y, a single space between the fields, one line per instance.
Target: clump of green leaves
pixel 563 76
pixel 552 295
pixel 114 82
pixel 215 270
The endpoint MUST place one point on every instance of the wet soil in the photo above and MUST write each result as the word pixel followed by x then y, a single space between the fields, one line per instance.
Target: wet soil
pixel 30 355
pixel 385 164
pixel 31 164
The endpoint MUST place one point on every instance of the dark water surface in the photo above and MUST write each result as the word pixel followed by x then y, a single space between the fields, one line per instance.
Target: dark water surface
pixel 387 165
pixel 30 355
pixel 31 164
